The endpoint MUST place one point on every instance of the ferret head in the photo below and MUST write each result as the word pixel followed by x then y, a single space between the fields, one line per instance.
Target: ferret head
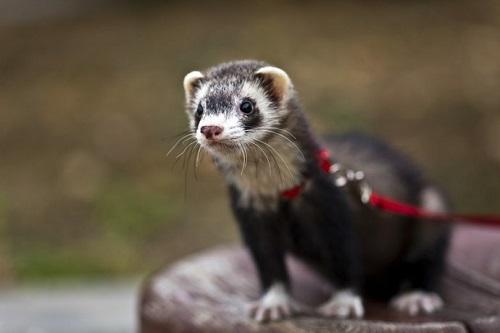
pixel 235 104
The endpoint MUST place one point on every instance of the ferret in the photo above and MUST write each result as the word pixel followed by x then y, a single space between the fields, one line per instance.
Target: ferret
pixel 247 116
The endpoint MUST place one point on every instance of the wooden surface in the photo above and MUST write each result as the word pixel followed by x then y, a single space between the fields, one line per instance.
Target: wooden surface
pixel 209 292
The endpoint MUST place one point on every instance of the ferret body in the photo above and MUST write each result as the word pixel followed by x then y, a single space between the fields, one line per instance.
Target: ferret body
pixel 247 116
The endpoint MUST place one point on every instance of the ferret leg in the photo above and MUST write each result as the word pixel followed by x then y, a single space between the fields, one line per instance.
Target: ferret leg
pixel 424 276
pixel 265 247
pixel 264 240
pixel 425 265
pixel 333 247
pixel 263 234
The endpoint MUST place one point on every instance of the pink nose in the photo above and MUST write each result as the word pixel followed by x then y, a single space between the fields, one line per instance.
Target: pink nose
pixel 211 132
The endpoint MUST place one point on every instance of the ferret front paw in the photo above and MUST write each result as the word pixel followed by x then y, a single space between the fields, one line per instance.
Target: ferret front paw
pixel 343 304
pixel 276 304
pixel 417 302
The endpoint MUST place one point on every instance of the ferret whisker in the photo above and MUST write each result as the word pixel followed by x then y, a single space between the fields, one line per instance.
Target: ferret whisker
pixel 185 142
pixel 294 145
pixel 241 155
pixel 186 156
pixel 187 159
pixel 185 164
pixel 186 148
pixel 277 166
pixel 279 156
pixel 265 155
pixel 281 130
pixel 197 162
pixel 203 153
pixel 178 157
pixel 185 181
pixel 244 157
pixel 178 141
pixel 190 156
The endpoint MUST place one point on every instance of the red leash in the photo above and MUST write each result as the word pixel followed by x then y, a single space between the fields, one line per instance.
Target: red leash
pixel 395 207
pixel 384 203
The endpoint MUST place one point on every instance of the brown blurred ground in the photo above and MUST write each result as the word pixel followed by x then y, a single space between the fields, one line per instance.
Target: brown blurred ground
pixel 90 104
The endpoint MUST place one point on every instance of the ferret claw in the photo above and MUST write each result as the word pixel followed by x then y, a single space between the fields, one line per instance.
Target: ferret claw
pixel 262 312
pixel 343 304
pixel 275 305
pixel 417 302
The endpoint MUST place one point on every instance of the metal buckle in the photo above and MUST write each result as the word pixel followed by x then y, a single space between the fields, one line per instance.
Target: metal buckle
pixel 344 177
pixel 339 173
pixel 365 191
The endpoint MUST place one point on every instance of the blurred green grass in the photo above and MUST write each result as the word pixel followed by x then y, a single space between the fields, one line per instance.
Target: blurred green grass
pixel 90 104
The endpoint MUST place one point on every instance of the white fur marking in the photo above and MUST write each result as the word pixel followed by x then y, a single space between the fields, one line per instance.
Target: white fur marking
pixel 343 304
pixel 200 93
pixel 282 82
pixel 417 302
pixel 432 200
pixel 230 124
pixel 189 79
pixel 276 304
pixel 276 295
pixel 271 117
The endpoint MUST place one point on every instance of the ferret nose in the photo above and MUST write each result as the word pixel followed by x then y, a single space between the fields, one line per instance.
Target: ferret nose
pixel 211 132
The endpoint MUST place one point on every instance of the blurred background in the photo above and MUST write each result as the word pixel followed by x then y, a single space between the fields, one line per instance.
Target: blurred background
pixel 91 100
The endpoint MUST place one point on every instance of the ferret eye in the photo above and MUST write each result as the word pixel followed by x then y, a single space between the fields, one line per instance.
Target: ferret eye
pixel 199 110
pixel 246 107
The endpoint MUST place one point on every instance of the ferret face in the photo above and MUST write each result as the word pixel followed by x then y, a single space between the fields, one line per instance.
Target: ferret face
pixel 235 105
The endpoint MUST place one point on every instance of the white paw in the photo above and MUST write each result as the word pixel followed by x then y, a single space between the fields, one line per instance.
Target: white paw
pixel 342 305
pixel 276 304
pixel 416 302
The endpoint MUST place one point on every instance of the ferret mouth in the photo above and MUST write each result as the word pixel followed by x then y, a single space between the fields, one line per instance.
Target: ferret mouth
pixel 220 144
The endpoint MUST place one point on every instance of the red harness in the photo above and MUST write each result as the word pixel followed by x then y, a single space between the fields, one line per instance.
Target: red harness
pixel 393 206
pixel 324 162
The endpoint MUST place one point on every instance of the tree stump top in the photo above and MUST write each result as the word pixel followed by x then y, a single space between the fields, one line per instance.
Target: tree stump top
pixel 209 292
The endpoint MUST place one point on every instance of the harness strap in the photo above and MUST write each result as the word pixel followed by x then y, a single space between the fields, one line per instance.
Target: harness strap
pixel 383 203
pixel 395 207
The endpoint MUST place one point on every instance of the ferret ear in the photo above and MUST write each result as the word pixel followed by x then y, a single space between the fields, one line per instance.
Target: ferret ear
pixel 278 80
pixel 191 82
